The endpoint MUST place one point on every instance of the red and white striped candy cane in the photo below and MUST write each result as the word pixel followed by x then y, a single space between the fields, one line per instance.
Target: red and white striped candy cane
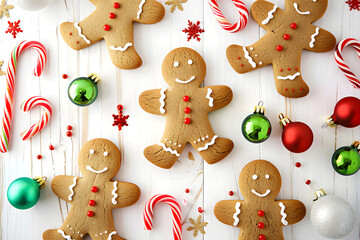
pixel 175 209
pixel 340 60
pixel 46 113
pixel 224 23
pixel 10 82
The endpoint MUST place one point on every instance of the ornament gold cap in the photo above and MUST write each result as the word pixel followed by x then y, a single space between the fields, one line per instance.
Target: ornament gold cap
pixel 41 181
pixel 319 193
pixel 95 77
pixel 260 108
pixel 284 120
pixel 329 122
pixel 356 144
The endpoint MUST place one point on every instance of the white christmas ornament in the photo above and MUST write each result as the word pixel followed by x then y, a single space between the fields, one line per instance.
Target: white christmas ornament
pixel 331 216
pixel 31 5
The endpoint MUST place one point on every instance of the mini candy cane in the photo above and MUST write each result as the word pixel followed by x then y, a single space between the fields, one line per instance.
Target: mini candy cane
pixel 340 60
pixel 224 23
pixel 46 113
pixel 10 81
pixel 175 209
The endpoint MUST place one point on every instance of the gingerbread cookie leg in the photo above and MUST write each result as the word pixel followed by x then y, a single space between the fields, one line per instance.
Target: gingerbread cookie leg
pixel 106 234
pixel 62 233
pixel 150 12
pixel 228 212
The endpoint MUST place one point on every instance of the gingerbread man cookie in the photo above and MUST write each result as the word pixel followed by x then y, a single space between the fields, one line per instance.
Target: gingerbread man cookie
pixel 93 196
pixel 186 106
pixel 289 31
pixel 260 216
pixel 113 21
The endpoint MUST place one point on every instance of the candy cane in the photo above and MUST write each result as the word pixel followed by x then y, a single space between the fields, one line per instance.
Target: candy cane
pixel 46 113
pixel 340 60
pixel 224 23
pixel 175 209
pixel 10 81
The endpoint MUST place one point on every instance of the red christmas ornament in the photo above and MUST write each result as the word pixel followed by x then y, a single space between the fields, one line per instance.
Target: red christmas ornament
pixel 297 137
pixel 346 113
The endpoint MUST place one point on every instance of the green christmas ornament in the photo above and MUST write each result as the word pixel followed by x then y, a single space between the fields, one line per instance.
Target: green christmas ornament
pixel 256 128
pixel 346 160
pixel 83 91
pixel 24 193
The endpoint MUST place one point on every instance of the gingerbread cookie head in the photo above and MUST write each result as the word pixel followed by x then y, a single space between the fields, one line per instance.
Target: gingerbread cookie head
pixel 311 9
pixel 260 178
pixel 99 156
pixel 184 66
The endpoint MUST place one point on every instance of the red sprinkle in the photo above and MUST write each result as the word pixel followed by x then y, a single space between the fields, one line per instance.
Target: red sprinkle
pixel 200 210
pixel 292 89
pixel 289 69
pixel 261 225
pixel 301 88
pixel 231 193
pixel 262 237
pixel 51 147
pixel 106 27
pixel 39 157
pixel 307 182
pixel 90 213
pixel 94 189
pixel 296 68
pixel 239 58
pixel 112 15
pixel 187 190
pixel 279 48
pixel 187 121
pixel 186 98
pixel 286 89
pixel 261 213
pixel 64 76
pixel 293 25
pixel 298 164
pixel 187 110
pixel 92 202
pixel 68 134
pixel 286 36
pixel 116 5
pixel 281 70
pixel 70 34
pixel 69 127
pixel 242 65
pixel 77 42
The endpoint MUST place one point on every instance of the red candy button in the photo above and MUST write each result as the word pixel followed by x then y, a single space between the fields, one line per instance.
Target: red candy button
pixel 112 15
pixel 261 213
pixel 279 48
pixel 261 225
pixel 286 36
pixel 106 27
pixel 94 189
pixel 293 25
pixel 92 202
pixel 262 237
pixel 187 110
pixel 116 5
pixel 187 121
pixel 90 213
pixel 186 98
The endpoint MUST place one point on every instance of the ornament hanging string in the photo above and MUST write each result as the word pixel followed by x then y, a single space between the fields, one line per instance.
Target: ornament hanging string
pixel 10 82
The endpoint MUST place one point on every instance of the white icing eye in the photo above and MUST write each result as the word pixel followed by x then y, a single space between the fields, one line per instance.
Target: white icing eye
pixel 190 62
pixel 105 154
pixel 254 177
pixel 176 64
pixel 251 48
pixel 92 151
pixel 267 176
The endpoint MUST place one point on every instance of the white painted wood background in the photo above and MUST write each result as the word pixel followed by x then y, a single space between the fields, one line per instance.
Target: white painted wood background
pixel 207 184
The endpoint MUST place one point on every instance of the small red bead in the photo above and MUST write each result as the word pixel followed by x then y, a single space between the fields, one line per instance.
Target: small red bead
pixel 187 110
pixel 261 213
pixel 200 210
pixel 70 34
pixel 51 147
pixel 261 225
pixel 307 182
pixel 92 202
pixel 293 25
pixel 262 237
pixel 187 121
pixel 69 127
pixel 68 134
pixel 298 164
pixel 279 48
pixel 39 157
pixel 186 98
pixel 90 213
pixel 289 69
pixel 116 5
pixel 292 89
pixel 242 65
pixel 296 68
pixel 301 88
pixel 64 76
pixel 112 15
pixel 286 36
pixel 106 27
pixel 286 89
pixel 231 193
pixel 77 42
pixel 281 70
pixel 187 190
pixel 94 189
pixel 239 58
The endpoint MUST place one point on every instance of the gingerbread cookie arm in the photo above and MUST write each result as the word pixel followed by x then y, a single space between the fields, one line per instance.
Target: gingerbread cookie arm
pixel 320 41
pixel 153 101
pixel 64 187
pixel 123 194
pixel 291 211
pixel 228 212
pixel 149 12
pixel 264 12
pixel 217 96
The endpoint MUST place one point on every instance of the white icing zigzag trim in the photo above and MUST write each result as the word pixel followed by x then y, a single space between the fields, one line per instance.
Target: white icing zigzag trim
pixel 300 12
pixel 283 214
pixel 180 81
pixel 260 195
pixel 247 56
pixel 122 49
pixel 111 234
pixel 140 9
pixel 236 214
pixel 71 187
pixel 88 167
pixel 270 15
pixel 114 193
pixel 162 102
pixel 290 77
pixel 80 34
pixel 311 44
pixel 67 237
pixel 169 149
pixel 211 100
pixel 208 144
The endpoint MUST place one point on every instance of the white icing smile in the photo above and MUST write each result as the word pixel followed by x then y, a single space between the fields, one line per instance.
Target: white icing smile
pixel 260 195
pixel 300 12
pixel 88 167
pixel 184 82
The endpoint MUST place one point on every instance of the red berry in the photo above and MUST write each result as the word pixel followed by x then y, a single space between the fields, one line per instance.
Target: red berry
pixel 39 157
pixel 187 110
pixel 293 25
pixel 68 134
pixel 116 5
pixel 69 127
pixel 231 193
pixel 200 210
pixel 186 98
pixel 261 225
pixel 187 190
pixel 90 213
pixel 261 213
pixel 187 121
pixel 279 48
pixel 286 36
pixel 262 237
pixel 106 27
pixel 51 147
pixel 94 189
pixel 64 76
pixel 112 15
pixel 298 164
pixel 92 202
pixel 307 182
